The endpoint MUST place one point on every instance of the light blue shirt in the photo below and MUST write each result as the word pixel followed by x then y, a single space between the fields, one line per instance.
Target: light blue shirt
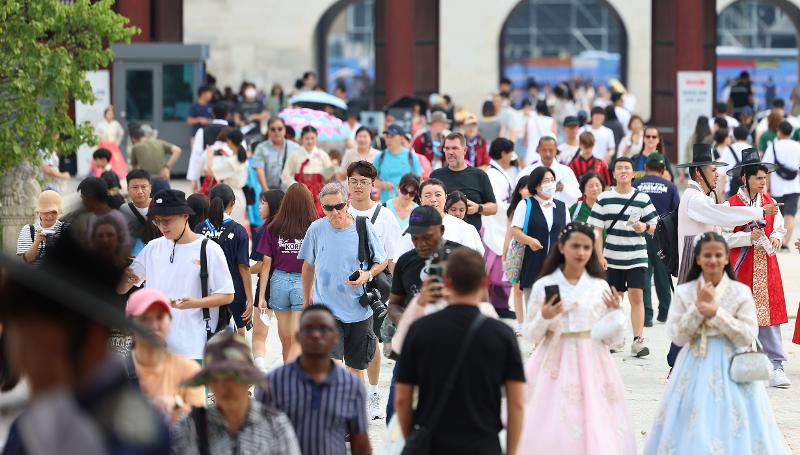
pixel 394 167
pixel 334 255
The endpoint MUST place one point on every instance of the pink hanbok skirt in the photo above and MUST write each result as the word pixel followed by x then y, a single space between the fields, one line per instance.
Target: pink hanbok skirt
pixel 575 401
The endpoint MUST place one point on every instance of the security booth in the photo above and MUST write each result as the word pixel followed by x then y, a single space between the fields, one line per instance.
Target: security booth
pixel 155 84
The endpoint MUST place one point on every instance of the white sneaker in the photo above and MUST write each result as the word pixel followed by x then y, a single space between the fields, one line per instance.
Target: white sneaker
pixel 638 349
pixel 779 379
pixel 374 408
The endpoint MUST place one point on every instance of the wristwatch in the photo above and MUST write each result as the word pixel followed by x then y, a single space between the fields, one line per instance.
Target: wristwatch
pixel 480 208
pixel 369 272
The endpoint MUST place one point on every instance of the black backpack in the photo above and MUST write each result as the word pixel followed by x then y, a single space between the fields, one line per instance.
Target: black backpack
pixel 225 313
pixel 666 238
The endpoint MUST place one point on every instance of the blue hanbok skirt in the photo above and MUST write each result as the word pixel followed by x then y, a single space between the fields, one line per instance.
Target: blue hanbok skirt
pixel 704 411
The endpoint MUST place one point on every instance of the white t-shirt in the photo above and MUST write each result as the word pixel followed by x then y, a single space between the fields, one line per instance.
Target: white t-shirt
pixel 726 157
pixel 181 278
pixel 386 226
pixel 494 226
pixel 603 140
pixel 789 155
pixel 455 230
pixel 566 152
pixel 624 117
pixel 537 127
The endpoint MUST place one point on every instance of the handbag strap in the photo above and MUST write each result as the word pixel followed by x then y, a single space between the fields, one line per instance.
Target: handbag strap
pixel 528 207
pixel 451 380
pixel 624 207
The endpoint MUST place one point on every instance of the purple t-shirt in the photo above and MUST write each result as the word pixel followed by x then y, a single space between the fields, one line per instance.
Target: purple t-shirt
pixel 282 251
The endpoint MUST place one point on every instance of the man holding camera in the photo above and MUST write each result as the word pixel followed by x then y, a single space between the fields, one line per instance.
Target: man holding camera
pixel 361 177
pixel 426 230
pixel 330 255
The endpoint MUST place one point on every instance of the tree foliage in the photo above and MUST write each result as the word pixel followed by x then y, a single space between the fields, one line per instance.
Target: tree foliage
pixel 47 47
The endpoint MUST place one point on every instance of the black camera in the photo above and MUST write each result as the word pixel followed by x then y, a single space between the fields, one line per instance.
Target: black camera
pixel 434 268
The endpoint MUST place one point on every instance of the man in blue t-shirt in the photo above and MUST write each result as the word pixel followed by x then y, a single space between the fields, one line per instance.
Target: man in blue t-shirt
pixel 394 162
pixel 665 198
pixel 330 255
pixel 200 112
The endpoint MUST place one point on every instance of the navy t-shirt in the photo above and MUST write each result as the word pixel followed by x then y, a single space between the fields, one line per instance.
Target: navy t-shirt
pixel 235 247
pixel 663 193
pixel 198 110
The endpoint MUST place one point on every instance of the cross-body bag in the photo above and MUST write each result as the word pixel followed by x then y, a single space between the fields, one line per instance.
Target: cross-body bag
pixel 141 219
pixel 621 212
pixel 420 440
pixel 382 282
pixel 783 171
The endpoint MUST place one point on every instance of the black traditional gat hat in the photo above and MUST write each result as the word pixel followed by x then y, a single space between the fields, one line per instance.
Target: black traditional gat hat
pixel 701 156
pixel 750 157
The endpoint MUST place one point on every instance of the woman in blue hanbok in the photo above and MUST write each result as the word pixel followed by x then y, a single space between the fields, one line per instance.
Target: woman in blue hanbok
pixel 703 410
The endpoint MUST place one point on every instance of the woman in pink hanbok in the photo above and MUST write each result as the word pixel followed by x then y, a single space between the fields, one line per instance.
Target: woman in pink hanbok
pixel 575 399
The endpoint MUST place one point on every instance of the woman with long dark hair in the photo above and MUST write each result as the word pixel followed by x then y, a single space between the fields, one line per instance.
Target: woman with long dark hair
pixel 233 238
pixel 280 245
pixel 269 203
pixel 701 135
pixel 712 316
pixel 653 142
pixel 569 361
pixel 520 194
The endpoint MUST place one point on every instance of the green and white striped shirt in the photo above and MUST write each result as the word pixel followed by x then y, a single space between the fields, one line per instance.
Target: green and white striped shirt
pixel 624 248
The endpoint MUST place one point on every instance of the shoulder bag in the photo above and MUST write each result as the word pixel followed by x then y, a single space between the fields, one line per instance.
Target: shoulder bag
pixel 512 262
pixel 783 171
pixel 750 366
pixel 621 212
pixel 420 440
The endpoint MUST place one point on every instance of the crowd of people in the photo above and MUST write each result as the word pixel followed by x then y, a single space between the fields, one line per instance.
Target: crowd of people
pixel 436 249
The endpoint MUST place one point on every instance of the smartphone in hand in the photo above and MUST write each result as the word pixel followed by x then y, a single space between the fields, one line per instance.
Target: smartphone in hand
pixel 550 291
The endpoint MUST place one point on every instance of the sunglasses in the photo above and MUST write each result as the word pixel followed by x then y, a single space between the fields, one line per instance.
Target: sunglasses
pixel 277 130
pixel 331 208
pixel 406 192
pixel 651 137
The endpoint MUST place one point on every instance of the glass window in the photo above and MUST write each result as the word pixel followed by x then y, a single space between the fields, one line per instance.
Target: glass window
pixel 139 94
pixel 351 52
pixel 177 91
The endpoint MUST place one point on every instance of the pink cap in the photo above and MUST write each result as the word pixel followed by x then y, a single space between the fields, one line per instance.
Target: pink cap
pixel 141 301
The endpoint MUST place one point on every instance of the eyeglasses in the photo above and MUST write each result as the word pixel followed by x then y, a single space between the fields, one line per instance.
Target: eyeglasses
pixel 407 192
pixel 362 182
pixel 276 130
pixel 163 221
pixel 331 208
pixel 321 330
pixel 650 137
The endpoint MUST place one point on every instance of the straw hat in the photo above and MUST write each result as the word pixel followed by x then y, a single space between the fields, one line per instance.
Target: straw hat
pixel 49 201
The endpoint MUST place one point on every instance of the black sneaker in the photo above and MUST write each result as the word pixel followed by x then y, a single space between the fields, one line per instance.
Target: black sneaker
pixel 648 323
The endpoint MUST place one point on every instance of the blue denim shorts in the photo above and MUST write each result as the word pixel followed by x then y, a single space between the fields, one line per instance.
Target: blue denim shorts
pixel 285 291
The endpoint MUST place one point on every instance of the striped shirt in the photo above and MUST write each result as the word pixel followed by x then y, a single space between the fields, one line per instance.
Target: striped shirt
pixel 581 166
pixel 624 248
pixel 321 413
pixel 25 239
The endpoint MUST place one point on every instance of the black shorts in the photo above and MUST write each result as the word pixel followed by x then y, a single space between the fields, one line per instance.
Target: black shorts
pixel 357 343
pixel 789 203
pixel 622 279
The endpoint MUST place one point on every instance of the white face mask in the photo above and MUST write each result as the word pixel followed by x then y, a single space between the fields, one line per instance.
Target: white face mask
pixel 250 93
pixel 548 189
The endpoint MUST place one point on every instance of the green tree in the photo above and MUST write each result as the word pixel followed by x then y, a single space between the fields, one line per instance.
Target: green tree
pixel 47 46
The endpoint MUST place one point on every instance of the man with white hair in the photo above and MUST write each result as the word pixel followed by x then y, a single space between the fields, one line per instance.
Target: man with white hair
pixel 330 255
pixel 567 189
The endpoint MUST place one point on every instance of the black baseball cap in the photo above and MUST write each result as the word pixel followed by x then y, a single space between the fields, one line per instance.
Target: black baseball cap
pixel 422 218
pixel 571 120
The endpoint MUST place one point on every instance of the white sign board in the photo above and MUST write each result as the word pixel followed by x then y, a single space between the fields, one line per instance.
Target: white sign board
pixel 92 113
pixel 695 98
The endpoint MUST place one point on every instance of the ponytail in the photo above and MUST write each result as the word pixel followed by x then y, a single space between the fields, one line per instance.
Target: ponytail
pixel 241 154
pixel 221 196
